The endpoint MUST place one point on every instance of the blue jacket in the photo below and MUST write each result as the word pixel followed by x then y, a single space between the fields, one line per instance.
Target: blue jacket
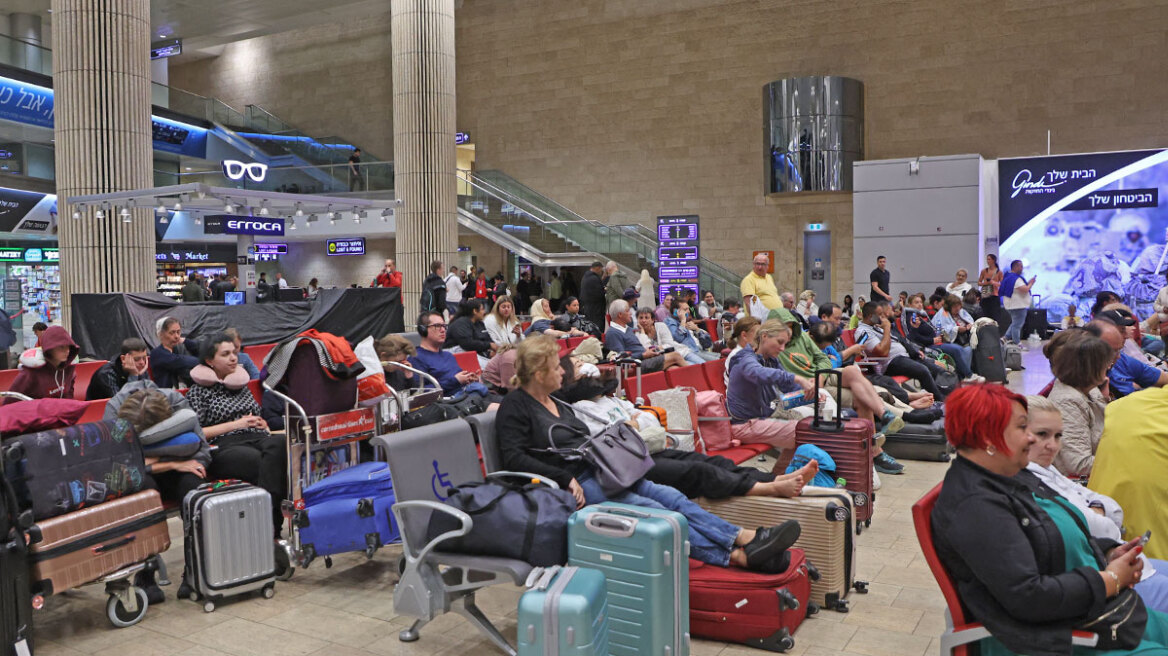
pixel 681 334
pixel 167 368
pixel 753 383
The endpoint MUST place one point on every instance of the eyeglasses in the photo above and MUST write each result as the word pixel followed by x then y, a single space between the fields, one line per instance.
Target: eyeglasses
pixel 440 326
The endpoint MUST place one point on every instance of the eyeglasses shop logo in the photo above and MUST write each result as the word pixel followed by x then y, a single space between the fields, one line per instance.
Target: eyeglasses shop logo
pixel 1024 182
pixel 236 170
pixel 226 224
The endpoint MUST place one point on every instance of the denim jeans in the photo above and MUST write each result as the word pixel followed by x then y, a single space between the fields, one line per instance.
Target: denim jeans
pixel 962 358
pixel 1017 318
pixel 693 358
pixel 711 538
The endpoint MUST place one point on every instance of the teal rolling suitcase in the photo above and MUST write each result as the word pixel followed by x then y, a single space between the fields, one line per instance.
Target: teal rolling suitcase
pixel 644 555
pixel 564 613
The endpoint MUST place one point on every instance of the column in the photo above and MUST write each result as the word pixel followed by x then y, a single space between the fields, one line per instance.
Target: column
pixel 27 28
pixel 101 71
pixel 423 140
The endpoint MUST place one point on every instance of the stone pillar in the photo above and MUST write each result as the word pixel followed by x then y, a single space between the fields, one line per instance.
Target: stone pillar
pixel 423 140
pixel 101 72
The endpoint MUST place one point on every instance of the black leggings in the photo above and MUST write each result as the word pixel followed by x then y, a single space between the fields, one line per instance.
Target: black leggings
pixel 699 475
pixel 923 372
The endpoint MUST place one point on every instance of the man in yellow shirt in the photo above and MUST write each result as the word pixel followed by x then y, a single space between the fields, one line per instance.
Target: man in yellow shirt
pixel 759 283
pixel 1130 463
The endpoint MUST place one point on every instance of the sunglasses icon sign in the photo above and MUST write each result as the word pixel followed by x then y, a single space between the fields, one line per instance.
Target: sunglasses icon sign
pixel 235 170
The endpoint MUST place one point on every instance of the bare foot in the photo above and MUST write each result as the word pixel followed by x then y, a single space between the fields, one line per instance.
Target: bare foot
pixel 809 470
pixel 922 403
pixel 789 487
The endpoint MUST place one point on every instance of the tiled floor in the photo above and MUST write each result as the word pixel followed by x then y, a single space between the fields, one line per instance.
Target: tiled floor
pixel 348 610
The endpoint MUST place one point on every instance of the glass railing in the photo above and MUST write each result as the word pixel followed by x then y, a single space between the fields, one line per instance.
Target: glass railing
pixel 26 56
pixel 633 245
pixel 326 180
pixel 315 150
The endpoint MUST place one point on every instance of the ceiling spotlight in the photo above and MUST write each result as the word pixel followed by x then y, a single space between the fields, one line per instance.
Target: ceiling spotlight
pixel 125 214
pixel 330 215
pixel 161 209
pixel 163 218
pixel 229 207
pixel 264 209
pixel 292 224
pixel 99 214
pixel 198 220
pixel 357 219
pixel 333 220
pixel 299 209
pixel 386 213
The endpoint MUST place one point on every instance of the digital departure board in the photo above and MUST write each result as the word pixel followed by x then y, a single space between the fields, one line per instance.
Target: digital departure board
pixel 677 254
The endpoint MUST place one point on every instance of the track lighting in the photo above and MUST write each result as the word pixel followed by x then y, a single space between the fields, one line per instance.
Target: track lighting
pixel 125 214
pixel 198 220
pixel 76 214
pixel 264 210
pixel 292 224
pixel 163 218
pixel 99 213
pixel 229 207
pixel 386 213
pixel 299 209
pixel 161 209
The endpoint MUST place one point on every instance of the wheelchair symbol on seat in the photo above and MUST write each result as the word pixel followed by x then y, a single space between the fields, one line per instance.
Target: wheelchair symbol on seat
pixel 439 480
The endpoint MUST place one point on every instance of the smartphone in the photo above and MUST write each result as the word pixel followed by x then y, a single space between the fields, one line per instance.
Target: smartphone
pixel 1143 539
pixel 669 349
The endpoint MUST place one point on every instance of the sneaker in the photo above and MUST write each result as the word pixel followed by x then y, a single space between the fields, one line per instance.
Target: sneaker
pixel 769 544
pixel 878 439
pixel 886 464
pixel 875 480
pixel 892 423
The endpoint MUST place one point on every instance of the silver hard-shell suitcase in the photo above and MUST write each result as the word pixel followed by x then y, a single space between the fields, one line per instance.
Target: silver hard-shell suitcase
pixel 228 542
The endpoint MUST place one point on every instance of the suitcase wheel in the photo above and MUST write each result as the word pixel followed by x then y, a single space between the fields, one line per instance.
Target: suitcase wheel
pixel 859 527
pixel 786 643
pixel 841 606
pixel 328 562
pixel 812 608
pixel 116 610
pixel 861 587
pixel 867 523
pixel 269 591
pixel 208 606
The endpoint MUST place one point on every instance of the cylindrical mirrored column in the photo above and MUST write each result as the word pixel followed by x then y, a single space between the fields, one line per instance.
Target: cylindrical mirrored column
pixel 813 132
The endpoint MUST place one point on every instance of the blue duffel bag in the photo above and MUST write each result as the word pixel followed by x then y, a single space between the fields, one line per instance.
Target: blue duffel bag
pixel 348 511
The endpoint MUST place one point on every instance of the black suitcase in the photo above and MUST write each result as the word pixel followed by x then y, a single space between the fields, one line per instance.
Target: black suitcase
pixel 988 359
pixel 15 596
pixel 65 469
pixel 1037 321
pixel 920 442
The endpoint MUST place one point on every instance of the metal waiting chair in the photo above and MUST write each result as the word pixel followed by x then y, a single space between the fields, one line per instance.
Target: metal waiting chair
pixel 426 463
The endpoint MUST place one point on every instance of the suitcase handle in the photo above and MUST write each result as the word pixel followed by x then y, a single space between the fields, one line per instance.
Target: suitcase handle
pixel 611 526
pixel 110 546
pixel 837 424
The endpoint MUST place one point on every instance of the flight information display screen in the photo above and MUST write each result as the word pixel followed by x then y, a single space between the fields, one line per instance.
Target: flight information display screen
pixel 677 255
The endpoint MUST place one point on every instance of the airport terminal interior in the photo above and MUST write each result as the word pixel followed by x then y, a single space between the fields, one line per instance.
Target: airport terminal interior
pixel 832 277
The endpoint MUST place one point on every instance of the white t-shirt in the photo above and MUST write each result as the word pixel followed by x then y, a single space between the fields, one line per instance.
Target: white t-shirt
pixel 283 283
pixel 1018 300
pixel 958 290
pixel 454 287
pixel 501 334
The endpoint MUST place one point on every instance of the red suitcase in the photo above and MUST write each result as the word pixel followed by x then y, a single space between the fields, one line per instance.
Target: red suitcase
pixel 849 443
pixel 738 605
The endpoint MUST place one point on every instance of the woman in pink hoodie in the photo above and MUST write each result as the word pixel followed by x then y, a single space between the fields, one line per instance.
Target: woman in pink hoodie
pixel 47 371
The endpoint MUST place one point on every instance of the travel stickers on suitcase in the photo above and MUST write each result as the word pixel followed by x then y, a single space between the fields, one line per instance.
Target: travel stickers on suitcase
pixel 58 471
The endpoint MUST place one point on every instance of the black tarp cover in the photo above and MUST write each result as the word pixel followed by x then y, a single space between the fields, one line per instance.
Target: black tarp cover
pixel 102 321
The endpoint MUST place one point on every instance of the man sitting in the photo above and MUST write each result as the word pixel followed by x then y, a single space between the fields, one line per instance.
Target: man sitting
pixel 463 386
pixel 621 338
pixel 875 333
pixel 1128 371
pixel 132 364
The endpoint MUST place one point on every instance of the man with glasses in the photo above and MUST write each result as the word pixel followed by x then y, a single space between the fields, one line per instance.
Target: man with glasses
pixel 759 283
pixel 1126 372
pixel 436 362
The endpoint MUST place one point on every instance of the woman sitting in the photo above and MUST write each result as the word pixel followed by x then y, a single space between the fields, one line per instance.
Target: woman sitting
pixel 806 306
pixel 530 419
pixel 756 379
pixel 397 349
pixel 960 284
pixel 502 325
pixel 1079 362
pixel 953 325
pixel 1023 563
pixel 47 371
pixel 542 318
pixel 231 421
pixel 469 333
pixel 1104 516
pixel 655 335
pixel 573 323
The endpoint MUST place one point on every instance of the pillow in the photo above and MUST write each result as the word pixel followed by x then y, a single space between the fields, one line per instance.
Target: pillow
pixel 183 445
pixel 182 421
pixel 38 415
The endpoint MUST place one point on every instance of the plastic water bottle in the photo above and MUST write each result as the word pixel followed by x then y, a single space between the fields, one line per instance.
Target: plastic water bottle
pixel 841 482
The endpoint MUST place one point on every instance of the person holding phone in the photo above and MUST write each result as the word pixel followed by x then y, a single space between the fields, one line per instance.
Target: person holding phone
pixel 1015 293
pixel 1103 514
pixel 1023 561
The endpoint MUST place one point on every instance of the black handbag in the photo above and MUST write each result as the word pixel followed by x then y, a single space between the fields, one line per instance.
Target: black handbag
pixel 1122 623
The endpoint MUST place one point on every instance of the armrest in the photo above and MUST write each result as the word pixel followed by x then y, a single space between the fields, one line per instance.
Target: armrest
pixel 534 477
pixel 401 508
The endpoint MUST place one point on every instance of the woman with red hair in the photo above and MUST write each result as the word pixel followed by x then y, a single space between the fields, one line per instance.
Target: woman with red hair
pixel 1023 560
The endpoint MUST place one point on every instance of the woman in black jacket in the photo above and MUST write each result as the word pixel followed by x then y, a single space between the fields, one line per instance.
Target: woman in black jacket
pixel 529 418
pixel 1024 563
pixel 468 331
